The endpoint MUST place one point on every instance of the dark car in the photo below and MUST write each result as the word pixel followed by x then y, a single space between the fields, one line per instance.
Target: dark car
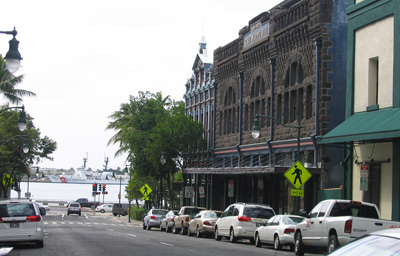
pixel 74 208
pixel 120 209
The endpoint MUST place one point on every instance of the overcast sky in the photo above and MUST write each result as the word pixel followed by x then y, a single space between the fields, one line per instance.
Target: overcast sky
pixel 83 58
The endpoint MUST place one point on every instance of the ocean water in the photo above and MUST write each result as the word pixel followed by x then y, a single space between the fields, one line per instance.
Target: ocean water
pixel 69 192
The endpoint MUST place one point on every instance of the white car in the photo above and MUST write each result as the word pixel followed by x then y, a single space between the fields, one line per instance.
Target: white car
pixel 279 231
pixel 21 222
pixel 240 220
pixel 104 208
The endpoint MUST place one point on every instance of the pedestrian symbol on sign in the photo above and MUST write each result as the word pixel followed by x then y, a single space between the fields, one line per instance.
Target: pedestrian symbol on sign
pixel 298 175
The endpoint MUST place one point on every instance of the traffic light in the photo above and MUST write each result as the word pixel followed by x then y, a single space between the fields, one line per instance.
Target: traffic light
pixel 105 192
pixel 99 187
pixel 104 188
pixel 94 188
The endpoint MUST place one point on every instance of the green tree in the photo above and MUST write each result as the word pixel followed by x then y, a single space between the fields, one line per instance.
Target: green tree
pixel 149 125
pixel 8 82
pixel 13 161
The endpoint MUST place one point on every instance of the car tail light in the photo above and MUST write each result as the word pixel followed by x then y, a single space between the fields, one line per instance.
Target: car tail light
pixel 288 230
pixel 1 220
pixel 153 217
pixel 207 223
pixel 244 219
pixel 347 226
pixel 80 207
pixel 187 219
pixel 172 219
pixel 33 218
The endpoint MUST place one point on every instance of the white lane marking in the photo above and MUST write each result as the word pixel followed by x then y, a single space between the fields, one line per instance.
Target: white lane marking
pixel 131 235
pixel 110 230
pixel 166 244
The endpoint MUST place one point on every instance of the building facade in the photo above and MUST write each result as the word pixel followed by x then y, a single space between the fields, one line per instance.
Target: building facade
pixel 287 65
pixel 371 131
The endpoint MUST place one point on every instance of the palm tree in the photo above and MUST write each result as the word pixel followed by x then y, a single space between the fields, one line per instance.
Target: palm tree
pixel 8 82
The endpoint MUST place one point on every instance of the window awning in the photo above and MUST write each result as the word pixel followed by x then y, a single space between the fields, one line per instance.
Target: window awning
pixel 364 126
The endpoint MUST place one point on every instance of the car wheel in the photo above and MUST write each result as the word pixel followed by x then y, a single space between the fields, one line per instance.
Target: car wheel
pixel 79 214
pixel 148 227
pixel 67 213
pixel 298 244
pixel 115 214
pixel 167 229
pixel 174 229
pixel 188 231
pixel 216 234
pixel 102 211
pixel 333 243
pixel 39 244
pixel 257 240
pixel 198 234
pixel 277 243
pixel 291 247
pixel 232 237
pixel 144 226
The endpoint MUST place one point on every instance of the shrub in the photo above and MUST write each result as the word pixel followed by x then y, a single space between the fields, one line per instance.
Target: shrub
pixel 137 213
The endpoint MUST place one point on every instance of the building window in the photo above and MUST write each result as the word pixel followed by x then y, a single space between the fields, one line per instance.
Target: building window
pixel 294 75
pixel 309 102
pixel 373 81
pixel 246 118
pixel 286 108
pixel 279 108
pixel 293 105
pixel 300 104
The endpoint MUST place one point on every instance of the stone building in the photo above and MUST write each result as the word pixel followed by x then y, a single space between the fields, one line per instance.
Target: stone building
pixel 287 65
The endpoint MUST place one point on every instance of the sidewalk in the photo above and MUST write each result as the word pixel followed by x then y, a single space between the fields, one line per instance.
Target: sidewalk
pixel 125 219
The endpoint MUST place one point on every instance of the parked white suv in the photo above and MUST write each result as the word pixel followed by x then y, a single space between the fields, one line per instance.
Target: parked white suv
pixel 240 220
pixel 21 222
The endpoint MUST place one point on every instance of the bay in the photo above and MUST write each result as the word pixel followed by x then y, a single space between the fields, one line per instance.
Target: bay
pixel 48 191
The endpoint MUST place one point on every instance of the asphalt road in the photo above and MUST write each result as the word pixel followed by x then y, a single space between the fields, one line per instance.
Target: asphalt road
pixel 103 234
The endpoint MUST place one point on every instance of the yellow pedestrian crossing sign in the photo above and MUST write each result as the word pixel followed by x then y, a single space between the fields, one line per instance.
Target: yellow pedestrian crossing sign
pixel 146 190
pixel 298 175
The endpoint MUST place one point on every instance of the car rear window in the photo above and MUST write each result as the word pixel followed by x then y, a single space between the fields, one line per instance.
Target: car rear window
pixel 160 212
pixel 16 210
pixel 74 205
pixel 258 212
pixel 355 210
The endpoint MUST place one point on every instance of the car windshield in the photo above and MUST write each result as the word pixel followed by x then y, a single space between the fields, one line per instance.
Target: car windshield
pixel 258 212
pixel 74 205
pixel 15 210
pixel 370 246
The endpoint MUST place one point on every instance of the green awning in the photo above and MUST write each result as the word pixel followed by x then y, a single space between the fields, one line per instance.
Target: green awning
pixel 364 126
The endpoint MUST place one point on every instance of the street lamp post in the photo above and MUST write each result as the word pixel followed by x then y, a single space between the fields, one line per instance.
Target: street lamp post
pixel 255 132
pixel 13 57
pixel 22 118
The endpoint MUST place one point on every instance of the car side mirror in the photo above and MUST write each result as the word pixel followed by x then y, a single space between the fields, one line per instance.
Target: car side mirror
pixel 303 213
pixel 42 211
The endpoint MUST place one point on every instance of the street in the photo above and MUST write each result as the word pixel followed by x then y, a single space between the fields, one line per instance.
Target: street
pixel 104 234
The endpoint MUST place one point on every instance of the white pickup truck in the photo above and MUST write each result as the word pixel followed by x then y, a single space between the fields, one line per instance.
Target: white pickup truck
pixel 333 223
